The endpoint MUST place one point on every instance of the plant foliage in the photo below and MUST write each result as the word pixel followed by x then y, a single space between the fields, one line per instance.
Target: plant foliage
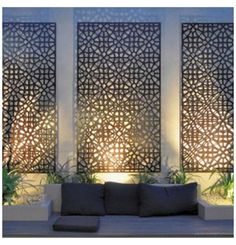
pixel 224 185
pixel 88 177
pixel 146 178
pixel 177 176
pixel 10 182
pixel 60 176
pixel 64 174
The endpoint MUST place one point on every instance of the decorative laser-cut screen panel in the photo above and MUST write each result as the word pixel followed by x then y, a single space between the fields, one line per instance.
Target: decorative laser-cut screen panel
pixel 207 97
pixel 29 96
pixel 118 96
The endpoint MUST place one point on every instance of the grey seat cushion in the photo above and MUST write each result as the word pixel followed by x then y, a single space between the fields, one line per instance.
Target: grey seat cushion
pixel 82 199
pixel 168 200
pixel 121 199
pixel 77 223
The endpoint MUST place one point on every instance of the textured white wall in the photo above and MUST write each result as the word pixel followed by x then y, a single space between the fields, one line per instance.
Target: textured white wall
pixel 170 18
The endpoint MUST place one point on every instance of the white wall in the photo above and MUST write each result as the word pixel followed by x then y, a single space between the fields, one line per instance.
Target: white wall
pixel 170 18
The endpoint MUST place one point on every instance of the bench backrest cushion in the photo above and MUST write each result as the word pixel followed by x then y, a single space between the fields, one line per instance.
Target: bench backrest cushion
pixel 121 198
pixel 82 199
pixel 167 200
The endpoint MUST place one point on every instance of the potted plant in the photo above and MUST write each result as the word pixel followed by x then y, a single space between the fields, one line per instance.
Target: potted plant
pixel 12 182
pixel 217 199
pixel 178 176
pixel 224 186
pixel 146 178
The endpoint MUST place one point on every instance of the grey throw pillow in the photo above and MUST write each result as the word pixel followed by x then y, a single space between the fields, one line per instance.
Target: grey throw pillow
pixel 82 199
pixel 121 198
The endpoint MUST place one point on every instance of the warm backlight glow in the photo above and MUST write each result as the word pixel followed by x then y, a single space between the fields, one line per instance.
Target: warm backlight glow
pixel 26 147
pixel 114 177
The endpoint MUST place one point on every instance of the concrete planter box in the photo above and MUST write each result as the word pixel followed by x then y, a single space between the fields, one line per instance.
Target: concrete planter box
pixel 215 212
pixel 53 192
pixel 41 211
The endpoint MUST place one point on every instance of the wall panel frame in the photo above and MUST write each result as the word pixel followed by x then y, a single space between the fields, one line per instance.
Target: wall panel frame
pixel 207 97
pixel 118 97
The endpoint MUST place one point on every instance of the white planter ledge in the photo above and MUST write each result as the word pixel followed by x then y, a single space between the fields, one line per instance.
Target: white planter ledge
pixel 215 212
pixel 40 211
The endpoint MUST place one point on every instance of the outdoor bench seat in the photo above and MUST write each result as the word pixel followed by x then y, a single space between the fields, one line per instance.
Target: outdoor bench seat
pixel 81 202
pixel 117 220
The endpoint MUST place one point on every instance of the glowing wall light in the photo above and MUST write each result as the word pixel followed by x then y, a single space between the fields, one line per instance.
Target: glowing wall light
pixel 29 96
pixel 207 97
pixel 118 97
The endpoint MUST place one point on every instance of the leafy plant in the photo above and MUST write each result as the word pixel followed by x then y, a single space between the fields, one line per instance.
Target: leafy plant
pixel 147 178
pixel 177 176
pixel 16 188
pixel 55 178
pixel 60 176
pixel 10 182
pixel 88 177
pixel 224 185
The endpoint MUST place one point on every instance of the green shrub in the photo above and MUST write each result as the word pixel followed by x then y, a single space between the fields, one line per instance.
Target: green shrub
pixel 88 177
pixel 178 176
pixel 60 175
pixel 224 185
pixel 146 178
pixel 10 182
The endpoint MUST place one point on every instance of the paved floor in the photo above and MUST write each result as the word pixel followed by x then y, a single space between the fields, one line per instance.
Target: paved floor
pixel 127 226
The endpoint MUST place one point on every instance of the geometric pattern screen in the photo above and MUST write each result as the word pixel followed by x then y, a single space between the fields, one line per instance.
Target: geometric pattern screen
pixel 207 97
pixel 29 96
pixel 118 97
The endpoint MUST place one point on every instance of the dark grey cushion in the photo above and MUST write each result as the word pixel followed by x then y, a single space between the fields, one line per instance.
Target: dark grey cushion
pixel 82 199
pixel 168 200
pixel 76 223
pixel 121 198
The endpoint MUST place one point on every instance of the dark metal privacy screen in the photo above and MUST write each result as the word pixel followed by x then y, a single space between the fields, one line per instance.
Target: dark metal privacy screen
pixel 207 97
pixel 118 96
pixel 29 96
